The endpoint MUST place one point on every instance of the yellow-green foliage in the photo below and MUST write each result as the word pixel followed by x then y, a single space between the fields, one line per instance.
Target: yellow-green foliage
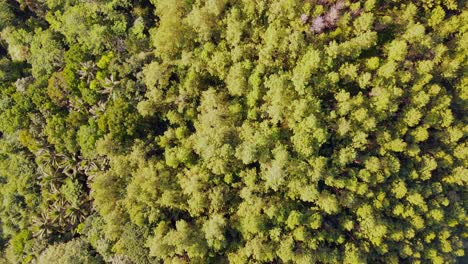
pixel 233 131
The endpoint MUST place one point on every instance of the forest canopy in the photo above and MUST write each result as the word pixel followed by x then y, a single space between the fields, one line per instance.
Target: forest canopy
pixel 233 131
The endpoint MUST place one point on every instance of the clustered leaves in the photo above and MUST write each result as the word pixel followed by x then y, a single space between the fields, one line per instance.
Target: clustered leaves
pixel 233 131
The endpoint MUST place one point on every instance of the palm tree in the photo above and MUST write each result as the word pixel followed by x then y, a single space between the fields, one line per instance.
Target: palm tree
pixel 109 84
pixel 100 107
pixel 70 166
pixel 43 224
pixel 87 71
pixel 76 214
pixel 58 209
pixel 47 157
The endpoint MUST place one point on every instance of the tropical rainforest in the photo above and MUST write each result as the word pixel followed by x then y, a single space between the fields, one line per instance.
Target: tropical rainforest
pixel 233 131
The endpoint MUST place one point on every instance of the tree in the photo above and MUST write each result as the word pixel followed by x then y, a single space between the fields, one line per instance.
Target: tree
pixel 46 53
pixel 75 251
pixel 190 131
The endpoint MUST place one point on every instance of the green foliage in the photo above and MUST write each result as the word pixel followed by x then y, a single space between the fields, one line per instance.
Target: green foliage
pixel 119 120
pixel 222 131
pixel 73 252
pixel 46 53
pixel 6 14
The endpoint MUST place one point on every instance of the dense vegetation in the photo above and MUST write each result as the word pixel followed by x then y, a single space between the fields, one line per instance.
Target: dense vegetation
pixel 233 131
